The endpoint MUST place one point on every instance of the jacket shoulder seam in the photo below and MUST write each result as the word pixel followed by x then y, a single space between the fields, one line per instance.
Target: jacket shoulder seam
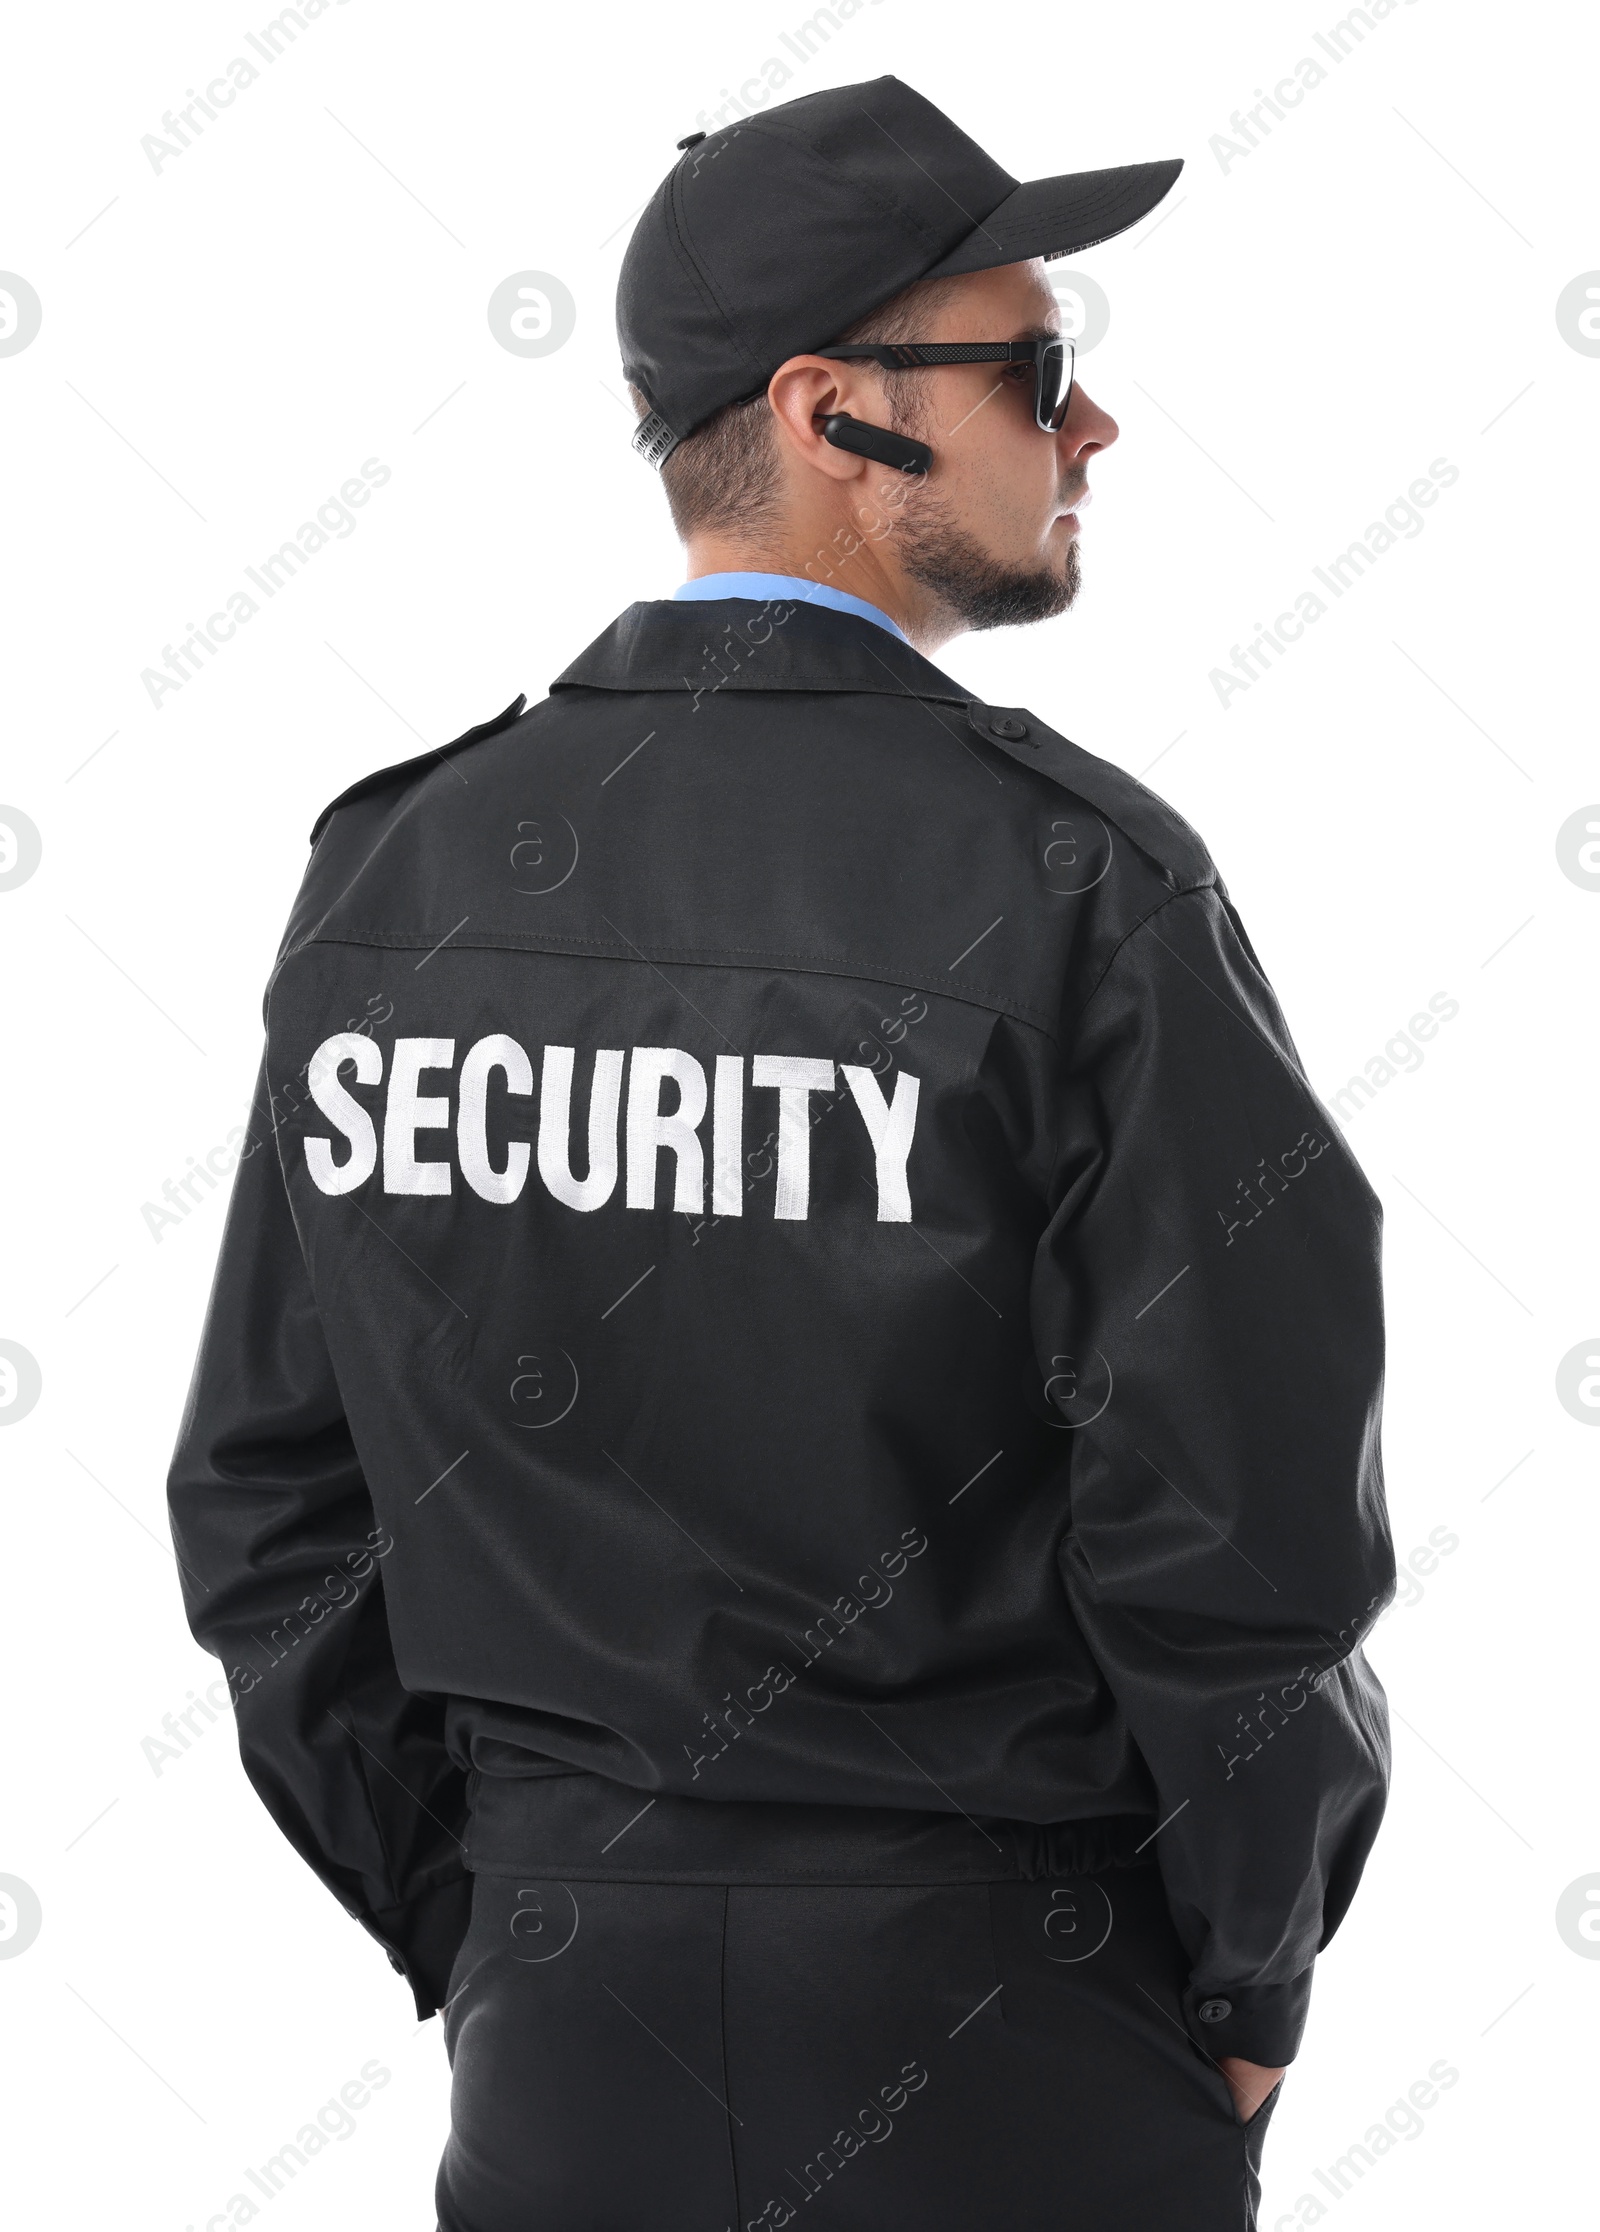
pixel 1146 820
pixel 1190 891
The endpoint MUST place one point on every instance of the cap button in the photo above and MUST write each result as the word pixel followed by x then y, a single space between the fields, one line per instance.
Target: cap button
pixel 693 140
pixel 1214 2010
pixel 1012 731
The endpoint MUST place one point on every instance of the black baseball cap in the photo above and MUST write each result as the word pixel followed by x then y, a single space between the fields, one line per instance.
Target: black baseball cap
pixel 775 234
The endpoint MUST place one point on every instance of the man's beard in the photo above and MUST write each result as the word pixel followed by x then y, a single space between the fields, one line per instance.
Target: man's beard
pixel 979 590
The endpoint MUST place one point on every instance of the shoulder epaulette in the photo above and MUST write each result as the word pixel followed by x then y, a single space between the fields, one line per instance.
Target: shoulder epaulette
pixel 423 760
pixel 1158 829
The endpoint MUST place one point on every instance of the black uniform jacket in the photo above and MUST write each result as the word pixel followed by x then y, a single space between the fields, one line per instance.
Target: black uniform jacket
pixel 789 1314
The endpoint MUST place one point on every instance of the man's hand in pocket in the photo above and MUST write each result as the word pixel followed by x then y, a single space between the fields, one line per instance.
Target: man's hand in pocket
pixel 1248 2082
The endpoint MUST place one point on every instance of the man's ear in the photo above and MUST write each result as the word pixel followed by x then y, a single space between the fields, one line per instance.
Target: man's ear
pixel 802 393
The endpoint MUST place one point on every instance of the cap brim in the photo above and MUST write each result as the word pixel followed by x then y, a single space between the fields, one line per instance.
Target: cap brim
pixel 1058 216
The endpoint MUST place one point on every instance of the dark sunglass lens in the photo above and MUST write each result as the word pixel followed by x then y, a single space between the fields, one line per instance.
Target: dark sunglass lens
pixel 1055 385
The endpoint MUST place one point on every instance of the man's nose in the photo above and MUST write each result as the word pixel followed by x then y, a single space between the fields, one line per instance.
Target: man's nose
pixel 1085 429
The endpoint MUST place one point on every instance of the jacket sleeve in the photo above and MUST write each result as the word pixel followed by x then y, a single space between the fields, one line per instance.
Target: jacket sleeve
pixel 1208 1314
pixel 280 1559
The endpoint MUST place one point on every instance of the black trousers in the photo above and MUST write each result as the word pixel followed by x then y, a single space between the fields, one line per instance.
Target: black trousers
pixel 701 2058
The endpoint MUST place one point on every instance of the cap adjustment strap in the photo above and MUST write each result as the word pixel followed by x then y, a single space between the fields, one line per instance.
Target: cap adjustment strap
pixel 654 440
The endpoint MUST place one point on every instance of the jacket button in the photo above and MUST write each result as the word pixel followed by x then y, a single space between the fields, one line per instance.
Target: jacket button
pixel 1214 2010
pixel 1012 731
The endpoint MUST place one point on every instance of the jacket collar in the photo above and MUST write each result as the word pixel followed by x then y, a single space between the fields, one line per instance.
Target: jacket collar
pixel 736 644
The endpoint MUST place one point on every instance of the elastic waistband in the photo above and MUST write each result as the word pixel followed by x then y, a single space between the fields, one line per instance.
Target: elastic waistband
pixel 584 1828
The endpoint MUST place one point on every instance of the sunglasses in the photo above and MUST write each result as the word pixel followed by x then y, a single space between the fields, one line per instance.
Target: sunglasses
pixel 1052 362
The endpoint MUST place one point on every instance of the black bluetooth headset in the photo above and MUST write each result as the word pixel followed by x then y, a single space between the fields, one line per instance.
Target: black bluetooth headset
pixel 876 442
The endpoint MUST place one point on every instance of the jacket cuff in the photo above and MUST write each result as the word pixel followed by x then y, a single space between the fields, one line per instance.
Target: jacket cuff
pixel 423 1938
pixel 1258 2022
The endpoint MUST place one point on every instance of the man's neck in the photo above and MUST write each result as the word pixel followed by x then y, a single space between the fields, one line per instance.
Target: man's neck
pixel 869 572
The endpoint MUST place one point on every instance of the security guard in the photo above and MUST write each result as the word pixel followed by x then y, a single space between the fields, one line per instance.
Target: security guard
pixel 784 1463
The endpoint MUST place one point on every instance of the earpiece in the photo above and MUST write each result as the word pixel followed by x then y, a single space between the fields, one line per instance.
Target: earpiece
pixel 876 442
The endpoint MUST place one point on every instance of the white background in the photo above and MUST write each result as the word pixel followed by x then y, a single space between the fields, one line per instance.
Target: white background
pixel 1293 340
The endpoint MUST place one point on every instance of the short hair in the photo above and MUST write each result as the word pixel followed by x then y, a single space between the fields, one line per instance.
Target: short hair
pixel 724 475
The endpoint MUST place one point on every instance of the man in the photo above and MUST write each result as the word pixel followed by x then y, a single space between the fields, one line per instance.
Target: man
pixel 784 1462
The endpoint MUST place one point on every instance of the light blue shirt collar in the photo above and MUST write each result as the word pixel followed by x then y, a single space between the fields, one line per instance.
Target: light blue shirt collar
pixel 768 588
